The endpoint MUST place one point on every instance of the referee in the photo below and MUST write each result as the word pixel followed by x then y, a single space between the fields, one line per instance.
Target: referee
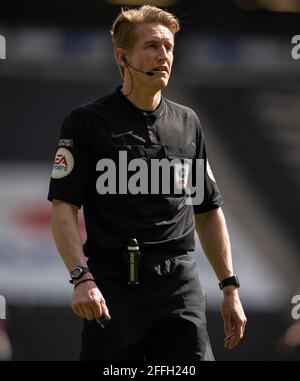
pixel 136 285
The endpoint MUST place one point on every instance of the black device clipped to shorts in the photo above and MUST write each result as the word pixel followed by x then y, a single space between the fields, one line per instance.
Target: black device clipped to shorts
pixel 132 257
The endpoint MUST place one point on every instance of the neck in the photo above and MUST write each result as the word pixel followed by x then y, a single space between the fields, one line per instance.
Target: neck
pixel 147 100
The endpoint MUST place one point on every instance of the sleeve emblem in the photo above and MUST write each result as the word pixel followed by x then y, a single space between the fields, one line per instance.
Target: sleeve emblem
pixel 63 163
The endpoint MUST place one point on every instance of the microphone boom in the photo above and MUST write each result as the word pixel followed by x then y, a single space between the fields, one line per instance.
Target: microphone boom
pixel 149 73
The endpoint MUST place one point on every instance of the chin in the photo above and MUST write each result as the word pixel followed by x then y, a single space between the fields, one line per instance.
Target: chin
pixel 162 82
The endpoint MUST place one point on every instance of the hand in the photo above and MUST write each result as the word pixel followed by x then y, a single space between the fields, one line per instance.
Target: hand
pixel 233 316
pixel 88 302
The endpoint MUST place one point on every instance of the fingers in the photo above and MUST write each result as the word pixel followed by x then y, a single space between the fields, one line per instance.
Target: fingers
pixel 105 311
pixel 100 309
pixel 104 318
pixel 231 341
pixel 96 308
pixel 234 320
pixel 89 305
pixel 83 310
pixel 229 330
pixel 90 311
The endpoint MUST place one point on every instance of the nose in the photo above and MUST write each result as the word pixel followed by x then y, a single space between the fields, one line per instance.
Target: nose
pixel 162 54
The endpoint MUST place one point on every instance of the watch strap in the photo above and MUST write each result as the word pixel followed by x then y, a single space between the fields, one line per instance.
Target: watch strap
pixel 231 281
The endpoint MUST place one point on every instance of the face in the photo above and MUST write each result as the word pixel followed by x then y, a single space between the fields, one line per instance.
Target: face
pixel 153 51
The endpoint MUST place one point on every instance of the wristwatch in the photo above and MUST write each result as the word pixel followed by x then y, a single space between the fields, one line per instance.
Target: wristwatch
pixel 78 272
pixel 231 281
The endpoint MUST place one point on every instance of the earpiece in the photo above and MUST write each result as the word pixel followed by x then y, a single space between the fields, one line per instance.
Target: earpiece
pixel 124 62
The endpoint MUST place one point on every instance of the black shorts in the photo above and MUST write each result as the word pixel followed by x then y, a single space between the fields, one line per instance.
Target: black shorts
pixel 162 318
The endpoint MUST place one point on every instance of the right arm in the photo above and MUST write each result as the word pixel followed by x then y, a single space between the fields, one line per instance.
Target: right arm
pixel 87 300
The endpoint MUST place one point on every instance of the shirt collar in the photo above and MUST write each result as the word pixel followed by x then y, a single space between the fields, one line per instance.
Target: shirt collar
pixel 137 111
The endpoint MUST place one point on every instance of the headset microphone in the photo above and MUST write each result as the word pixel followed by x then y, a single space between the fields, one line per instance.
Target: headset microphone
pixel 149 73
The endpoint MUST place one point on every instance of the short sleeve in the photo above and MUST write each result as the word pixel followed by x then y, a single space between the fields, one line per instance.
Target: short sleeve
pixel 71 167
pixel 212 198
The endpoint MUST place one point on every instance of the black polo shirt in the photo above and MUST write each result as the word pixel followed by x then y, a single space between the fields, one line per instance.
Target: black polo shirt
pixel 99 131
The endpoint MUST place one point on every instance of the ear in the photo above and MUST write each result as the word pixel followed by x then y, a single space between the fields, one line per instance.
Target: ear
pixel 120 56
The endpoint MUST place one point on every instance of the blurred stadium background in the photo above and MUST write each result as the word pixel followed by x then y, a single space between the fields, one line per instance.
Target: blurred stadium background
pixel 233 65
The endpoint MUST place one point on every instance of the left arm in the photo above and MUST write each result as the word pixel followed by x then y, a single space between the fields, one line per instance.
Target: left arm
pixel 212 231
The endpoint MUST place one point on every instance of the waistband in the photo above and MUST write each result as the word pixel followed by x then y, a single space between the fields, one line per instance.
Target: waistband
pixel 117 256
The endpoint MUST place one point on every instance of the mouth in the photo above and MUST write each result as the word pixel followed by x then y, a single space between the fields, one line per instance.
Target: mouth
pixel 161 69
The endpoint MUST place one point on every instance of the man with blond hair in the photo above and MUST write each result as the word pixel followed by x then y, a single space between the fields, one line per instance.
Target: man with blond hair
pixel 136 284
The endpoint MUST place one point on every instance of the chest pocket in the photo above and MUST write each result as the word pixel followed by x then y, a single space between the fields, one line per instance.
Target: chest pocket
pixel 133 151
pixel 180 151
pixel 155 151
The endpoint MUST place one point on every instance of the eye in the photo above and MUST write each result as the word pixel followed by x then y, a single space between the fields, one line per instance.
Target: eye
pixel 151 46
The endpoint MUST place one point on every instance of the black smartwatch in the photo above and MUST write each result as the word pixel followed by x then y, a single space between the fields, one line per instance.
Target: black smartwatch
pixel 78 272
pixel 231 281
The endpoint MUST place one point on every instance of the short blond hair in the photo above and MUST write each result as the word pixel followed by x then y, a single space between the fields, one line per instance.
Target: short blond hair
pixel 123 28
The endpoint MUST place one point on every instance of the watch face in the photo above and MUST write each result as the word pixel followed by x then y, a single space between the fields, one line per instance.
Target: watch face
pixel 76 272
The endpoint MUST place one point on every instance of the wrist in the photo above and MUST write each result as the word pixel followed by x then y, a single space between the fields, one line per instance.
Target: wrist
pixel 87 281
pixel 84 277
pixel 229 290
